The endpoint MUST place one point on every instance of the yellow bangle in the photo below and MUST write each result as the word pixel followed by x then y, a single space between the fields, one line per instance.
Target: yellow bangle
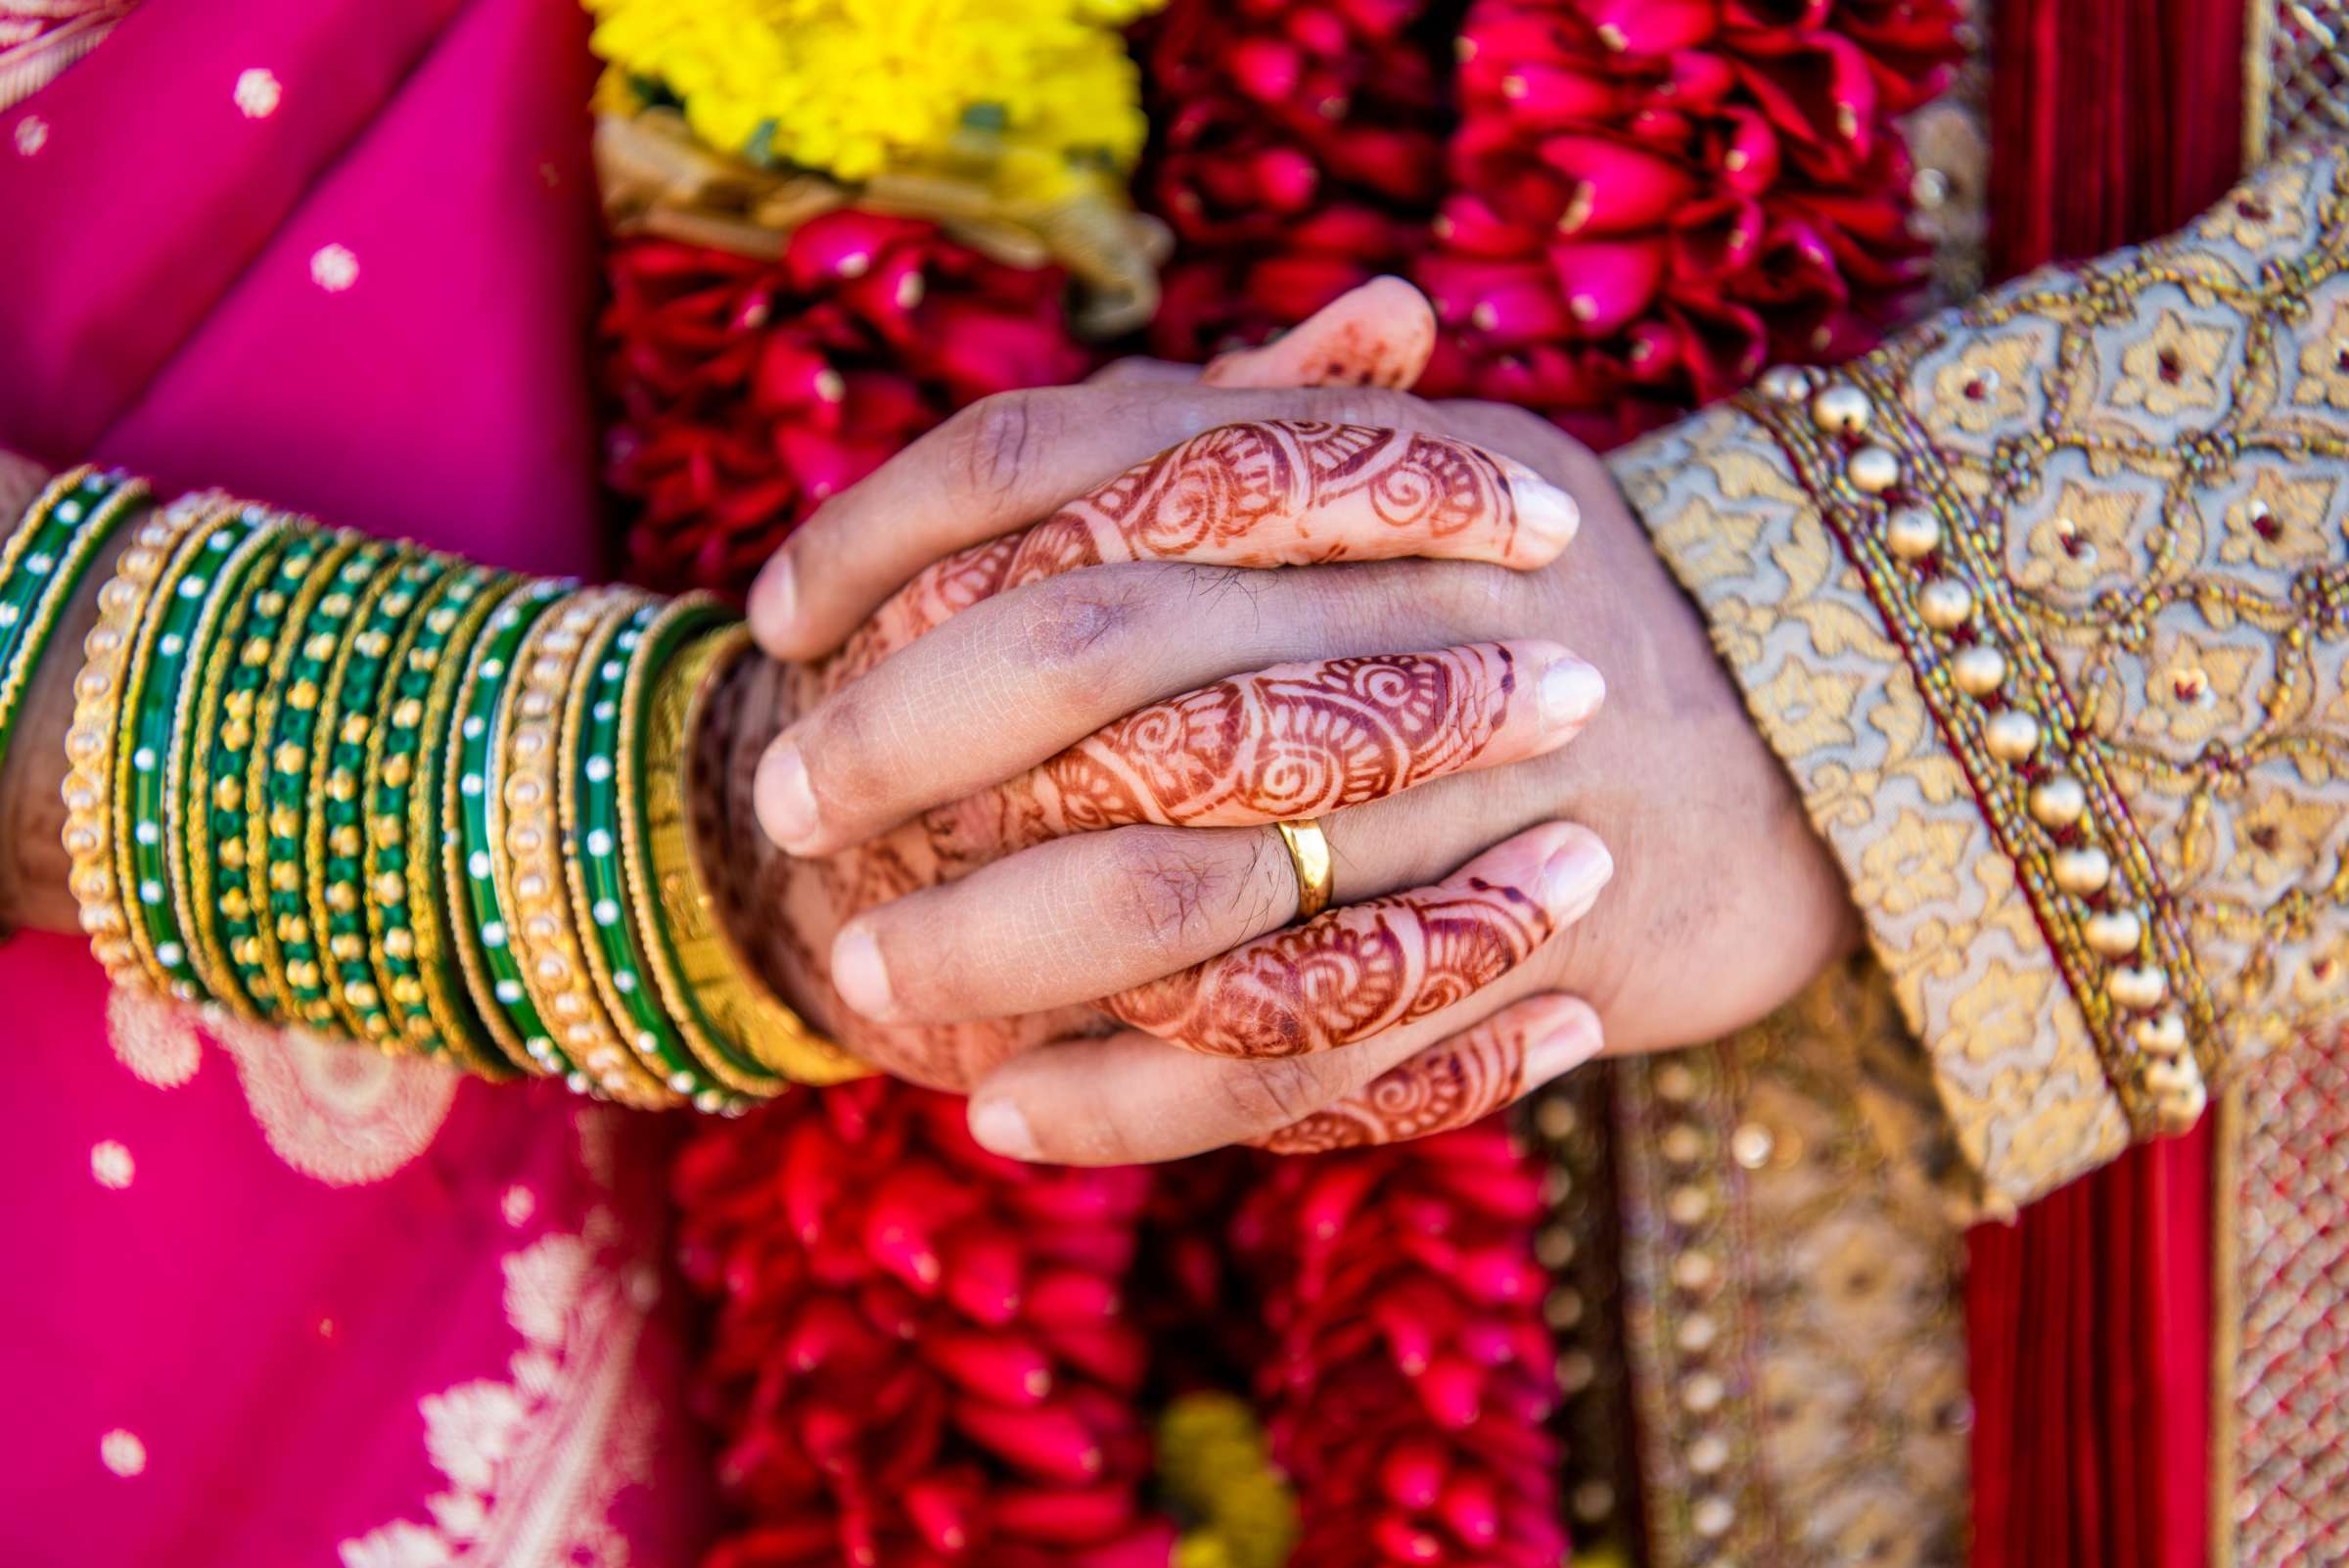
pixel 711 968
pixel 527 848
pixel 430 994
pixel 98 695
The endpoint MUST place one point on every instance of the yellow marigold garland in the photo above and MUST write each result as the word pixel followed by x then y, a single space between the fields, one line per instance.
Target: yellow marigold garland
pixel 1216 1471
pixel 854 87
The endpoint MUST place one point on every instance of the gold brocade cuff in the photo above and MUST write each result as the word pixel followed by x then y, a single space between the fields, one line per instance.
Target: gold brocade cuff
pixel 2016 1059
pixel 2046 607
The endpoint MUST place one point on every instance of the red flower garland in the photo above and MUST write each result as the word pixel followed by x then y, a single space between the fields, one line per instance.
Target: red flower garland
pixel 1296 151
pixel 749 390
pixel 918 1355
pixel 1653 199
pixel 1407 1396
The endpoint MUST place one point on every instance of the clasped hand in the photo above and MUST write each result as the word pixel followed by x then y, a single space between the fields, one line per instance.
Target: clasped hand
pixel 1042 682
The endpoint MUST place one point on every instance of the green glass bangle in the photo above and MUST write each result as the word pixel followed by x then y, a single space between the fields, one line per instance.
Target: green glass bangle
pixel 143 738
pixel 626 864
pixel 589 806
pixel 435 896
pixel 233 702
pixel 335 836
pixel 43 564
pixel 196 973
pixel 396 750
pixel 487 959
pixel 279 777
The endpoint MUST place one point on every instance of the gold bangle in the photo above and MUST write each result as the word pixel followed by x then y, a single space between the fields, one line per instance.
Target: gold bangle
pixel 97 692
pixel 604 659
pixel 527 847
pixel 438 1004
pixel 654 743
pixel 737 1004
pixel 1308 858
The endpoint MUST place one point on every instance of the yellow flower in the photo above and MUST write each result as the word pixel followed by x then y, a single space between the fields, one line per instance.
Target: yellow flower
pixel 1212 1461
pixel 854 87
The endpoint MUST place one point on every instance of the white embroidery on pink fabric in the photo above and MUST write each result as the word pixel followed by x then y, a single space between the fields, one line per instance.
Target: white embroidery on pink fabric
pixel 122 1453
pixel 334 269
pixel 258 93
pixel 111 1165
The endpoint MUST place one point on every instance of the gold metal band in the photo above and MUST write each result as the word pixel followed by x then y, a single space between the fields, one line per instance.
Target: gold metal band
pixel 98 695
pixel 719 975
pixel 528 848
pixel 1309 857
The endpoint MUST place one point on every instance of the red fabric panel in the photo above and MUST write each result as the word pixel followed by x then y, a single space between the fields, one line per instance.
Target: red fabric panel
pixel 2089 1319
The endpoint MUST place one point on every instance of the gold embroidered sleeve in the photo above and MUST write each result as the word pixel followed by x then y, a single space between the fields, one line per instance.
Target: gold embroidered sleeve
pixel 2045 605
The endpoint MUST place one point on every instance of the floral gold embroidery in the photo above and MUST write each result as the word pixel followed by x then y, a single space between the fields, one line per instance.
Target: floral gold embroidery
pixel 1987 385
pixel 2137 573
pixel 2325 362
pixel 2172 369
pixel 2197 687
pixel 2280 525
pixel 2086 536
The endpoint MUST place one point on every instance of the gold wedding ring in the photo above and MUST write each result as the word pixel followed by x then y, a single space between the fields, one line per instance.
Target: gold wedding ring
pixel 1309 857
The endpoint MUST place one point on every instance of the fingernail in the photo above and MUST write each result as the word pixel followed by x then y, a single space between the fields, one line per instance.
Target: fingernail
pixel 775 599
pixel 1543 509
pixel 999 1126
pixel 1558 1044
pixel 859 974
pixel 1573 875
pixel 784 801
pixel 1571 692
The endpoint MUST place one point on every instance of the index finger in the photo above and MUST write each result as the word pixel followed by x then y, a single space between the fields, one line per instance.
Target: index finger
pixel 1005 461
pixel 996 467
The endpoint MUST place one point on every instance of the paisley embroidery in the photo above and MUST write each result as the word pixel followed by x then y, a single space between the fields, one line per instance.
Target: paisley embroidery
pixel 535 1461
pixel 336 1115
pixel 151 1036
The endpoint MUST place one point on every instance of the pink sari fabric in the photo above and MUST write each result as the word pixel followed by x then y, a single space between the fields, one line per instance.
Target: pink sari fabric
pixel 278 1302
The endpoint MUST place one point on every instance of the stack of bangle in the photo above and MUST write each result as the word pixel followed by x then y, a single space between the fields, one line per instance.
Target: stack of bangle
pixel 323 780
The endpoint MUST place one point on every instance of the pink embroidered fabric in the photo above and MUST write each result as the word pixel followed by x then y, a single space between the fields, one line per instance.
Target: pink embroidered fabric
pixel 277 1302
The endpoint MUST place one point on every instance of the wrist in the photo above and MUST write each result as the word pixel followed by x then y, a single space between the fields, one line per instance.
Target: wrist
pixel 754 703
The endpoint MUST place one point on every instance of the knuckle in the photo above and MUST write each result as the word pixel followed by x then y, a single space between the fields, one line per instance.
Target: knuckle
pixel 839 746
pixel 1075 625
pixel 990 441
pixel 1167 890
pixel 1274 1092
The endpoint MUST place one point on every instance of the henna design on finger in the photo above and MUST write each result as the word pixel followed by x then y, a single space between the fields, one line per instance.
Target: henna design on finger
pixel 1294 741
pixel 1259 494
pixel 1449 1085
pixel 1344 977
